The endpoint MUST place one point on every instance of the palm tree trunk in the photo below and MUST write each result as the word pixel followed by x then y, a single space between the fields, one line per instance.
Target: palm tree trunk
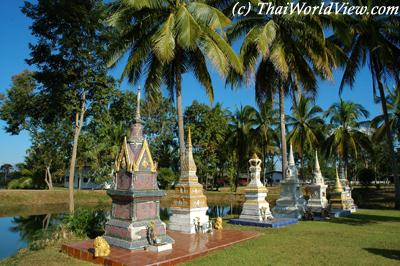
pixel 346 163
pixel 283 130
pixel 178 91
pixel 389 141
pixel 302 163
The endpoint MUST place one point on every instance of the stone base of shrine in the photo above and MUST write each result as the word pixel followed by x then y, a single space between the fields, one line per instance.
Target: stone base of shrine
pixel 183 219
pixel 160 248
pixel 275 222
pixel 339 213
pixel 186 247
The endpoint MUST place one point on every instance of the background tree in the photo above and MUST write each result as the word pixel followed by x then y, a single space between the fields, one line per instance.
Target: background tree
pixel 209 129
pixel 6 169
pixel 306 127
pixel 393 107
pixel 242 121
pixel 373 39
pixel 346 137
pixel 267 118
pixel 48 154
pixel 286 52
pixel 68 58
pixel 166 39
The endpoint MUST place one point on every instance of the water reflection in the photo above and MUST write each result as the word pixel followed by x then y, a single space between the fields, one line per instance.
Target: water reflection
pixel 19 231
pixel 29 226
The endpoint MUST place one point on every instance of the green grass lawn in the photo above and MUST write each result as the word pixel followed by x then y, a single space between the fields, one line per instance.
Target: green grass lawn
pixel 368 237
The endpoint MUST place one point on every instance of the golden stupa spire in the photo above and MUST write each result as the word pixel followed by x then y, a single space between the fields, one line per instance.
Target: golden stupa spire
pixel 338 184
pixel 189 139
pixel 189 164
pixel 137 115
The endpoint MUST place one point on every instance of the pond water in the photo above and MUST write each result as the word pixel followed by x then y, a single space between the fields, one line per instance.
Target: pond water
pixel 17 232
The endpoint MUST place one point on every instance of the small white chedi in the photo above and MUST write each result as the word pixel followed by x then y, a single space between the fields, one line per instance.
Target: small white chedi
pixel 291 203
pixel 347 189
pixel 189 206
pixel 317 190
pixel 255 207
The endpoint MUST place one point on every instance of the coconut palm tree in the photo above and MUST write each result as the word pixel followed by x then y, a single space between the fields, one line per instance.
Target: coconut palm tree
pixel 242 121
pixel 393 106
pixel 348 136
pixel 306 128
pixel 374 40
pixel 267 118
pixel 165 39
pixel 286 52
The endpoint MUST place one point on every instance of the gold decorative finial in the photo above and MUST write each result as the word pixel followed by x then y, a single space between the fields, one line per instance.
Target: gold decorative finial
pixel 188 162
pixel 138 104
pixel 254 156
pixel 189 138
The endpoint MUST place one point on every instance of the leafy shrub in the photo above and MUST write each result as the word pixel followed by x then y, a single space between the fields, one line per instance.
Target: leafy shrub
pixel 366 176
pixel 86 222
pixel 20 183
pixel 166 177
pixel 47 237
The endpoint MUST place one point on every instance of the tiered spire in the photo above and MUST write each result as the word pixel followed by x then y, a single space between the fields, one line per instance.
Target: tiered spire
pixel 137 115
pixel 317 168
pixel 136 135
pixel 317 171
pixel 338 184
pixel 291 171
pixel 291 157
pixel 189 164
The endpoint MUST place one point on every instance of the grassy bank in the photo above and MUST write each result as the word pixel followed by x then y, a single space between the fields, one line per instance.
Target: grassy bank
pixel 31 202
pixel 368 237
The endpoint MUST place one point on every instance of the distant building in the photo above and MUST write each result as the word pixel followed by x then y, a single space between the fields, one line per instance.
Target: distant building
pixel 83 182
pixel 276 176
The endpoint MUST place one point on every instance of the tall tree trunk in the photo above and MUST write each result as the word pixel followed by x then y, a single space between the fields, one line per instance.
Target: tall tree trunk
pixel 48 177
pixel 283 130
pixel 178 91
pixel 302 162
pixel 78 126
pixel 389 140
pixel 346 163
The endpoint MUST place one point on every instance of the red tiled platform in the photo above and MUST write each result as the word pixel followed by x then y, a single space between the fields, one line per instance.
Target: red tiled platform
pixel 186 247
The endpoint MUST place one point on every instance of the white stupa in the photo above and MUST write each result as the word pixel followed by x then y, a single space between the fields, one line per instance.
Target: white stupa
pixel 317 190
pixel 255 207
pixel 291 203
pixel 346 186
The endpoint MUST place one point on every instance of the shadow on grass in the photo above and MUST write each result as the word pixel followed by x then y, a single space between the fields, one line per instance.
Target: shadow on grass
pixel 363 219
pixel 387 253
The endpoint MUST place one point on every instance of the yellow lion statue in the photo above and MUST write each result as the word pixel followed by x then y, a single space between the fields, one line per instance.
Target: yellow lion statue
pixel 218 223
pixel 101 247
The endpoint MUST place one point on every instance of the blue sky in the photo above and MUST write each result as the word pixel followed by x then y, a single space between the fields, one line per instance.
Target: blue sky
pixel 14 50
